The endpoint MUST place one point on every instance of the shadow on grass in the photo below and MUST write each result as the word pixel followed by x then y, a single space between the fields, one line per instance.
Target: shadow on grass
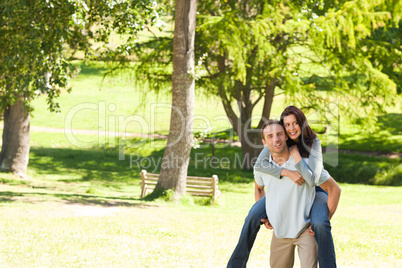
pixel 391 122
pixel 82 199
pixel 101 165
pixel 92 69
pixel 371 170
pixel 385 139
pixel 90 168
pixel 371 143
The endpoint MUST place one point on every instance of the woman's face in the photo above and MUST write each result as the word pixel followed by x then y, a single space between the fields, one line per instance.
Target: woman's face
pixel 292 128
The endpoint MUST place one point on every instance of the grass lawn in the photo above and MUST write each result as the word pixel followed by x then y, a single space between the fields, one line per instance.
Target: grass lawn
pixel 82 208
pixel 65 227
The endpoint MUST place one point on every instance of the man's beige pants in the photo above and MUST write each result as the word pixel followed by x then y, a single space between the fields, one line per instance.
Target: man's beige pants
pixel 283 251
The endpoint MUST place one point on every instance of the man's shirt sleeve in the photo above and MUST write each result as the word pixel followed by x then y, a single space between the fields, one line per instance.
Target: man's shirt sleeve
pixel 258 178
pixel 323 177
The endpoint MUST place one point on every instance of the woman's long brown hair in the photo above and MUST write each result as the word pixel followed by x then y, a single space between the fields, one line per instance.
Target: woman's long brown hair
pixel 307 136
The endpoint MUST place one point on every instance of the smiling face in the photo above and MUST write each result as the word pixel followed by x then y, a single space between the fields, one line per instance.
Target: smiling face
pixel 293 129
pixel 275 138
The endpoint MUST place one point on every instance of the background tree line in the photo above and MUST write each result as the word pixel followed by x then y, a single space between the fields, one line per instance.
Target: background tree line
pixel 314 52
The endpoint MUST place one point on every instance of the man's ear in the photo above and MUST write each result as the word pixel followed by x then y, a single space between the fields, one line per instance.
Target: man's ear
pixel 263 142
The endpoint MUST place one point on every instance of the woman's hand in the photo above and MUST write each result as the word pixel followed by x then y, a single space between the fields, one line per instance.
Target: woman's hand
pixel 294 176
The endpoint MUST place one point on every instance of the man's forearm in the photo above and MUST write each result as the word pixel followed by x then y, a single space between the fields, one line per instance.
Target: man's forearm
pixel 259 193
pixel 334 194
pixel 333 200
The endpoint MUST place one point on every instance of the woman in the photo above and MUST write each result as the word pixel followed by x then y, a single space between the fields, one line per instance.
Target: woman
pixel 302 142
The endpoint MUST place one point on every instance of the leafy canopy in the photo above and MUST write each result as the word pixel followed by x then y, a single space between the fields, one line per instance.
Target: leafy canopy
pixel 34 34
pixel 315 52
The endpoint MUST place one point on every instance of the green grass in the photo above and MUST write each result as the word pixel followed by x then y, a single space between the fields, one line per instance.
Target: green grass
pixel 118 106
pixel 355 168
pixel 52 153
pixel 387 137
pixel 51 228
pixel 82 207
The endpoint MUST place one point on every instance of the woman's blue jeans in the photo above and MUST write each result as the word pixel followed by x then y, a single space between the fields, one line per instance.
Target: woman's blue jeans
pixel 319 222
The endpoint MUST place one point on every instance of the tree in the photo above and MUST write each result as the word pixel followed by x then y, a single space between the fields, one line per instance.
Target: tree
pixel 177 153
pixel 33 37
pixel 314 52
pixel 31 46
pixel 311 52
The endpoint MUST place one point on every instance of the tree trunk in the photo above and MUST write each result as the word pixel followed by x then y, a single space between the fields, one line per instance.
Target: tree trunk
pixel 177 153
pixel 14 154
pixel 268 99
pixel 249 137
pixel 251 147
pixel 251 143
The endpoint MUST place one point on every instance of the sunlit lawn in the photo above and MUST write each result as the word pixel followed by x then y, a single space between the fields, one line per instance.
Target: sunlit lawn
pixel 53 228
pixel 81 208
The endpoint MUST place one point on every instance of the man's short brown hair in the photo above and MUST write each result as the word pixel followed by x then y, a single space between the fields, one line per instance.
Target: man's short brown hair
pixel 271 122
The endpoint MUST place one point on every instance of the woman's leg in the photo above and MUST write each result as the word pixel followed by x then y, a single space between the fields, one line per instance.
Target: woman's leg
pixel 322 230
pixel 248 234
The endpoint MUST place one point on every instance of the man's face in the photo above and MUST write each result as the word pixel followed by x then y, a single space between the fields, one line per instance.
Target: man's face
pixel 275 138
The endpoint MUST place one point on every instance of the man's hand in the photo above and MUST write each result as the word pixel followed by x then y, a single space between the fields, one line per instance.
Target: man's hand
pixel 267 224
pixel 295 176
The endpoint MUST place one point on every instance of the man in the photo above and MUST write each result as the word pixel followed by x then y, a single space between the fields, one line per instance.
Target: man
pixel 288 209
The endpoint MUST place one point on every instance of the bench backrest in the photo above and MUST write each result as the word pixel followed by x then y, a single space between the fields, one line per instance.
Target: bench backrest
pixel 197 186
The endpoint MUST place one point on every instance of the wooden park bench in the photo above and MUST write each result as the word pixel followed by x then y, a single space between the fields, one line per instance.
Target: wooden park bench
pixel 197 186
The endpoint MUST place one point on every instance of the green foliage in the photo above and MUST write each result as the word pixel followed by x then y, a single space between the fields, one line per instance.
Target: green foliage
pixel 346 41
pixel 168 195
pixel 205 201
pixel 320 54
pixel 354 168
pixel 187 200
pixel 384 49
pixel 93 190
pixel 34 35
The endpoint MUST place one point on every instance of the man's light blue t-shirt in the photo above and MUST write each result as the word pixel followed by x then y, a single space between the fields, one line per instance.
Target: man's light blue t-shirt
pixel 288 205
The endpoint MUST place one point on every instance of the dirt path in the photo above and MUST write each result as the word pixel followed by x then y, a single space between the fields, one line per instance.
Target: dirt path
pixel 95 132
